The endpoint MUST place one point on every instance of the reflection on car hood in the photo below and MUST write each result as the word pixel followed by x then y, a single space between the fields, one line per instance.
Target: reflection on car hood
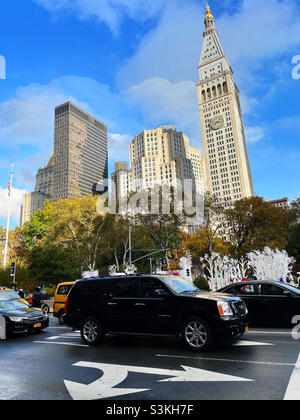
pixel 212 296
pixel 29 312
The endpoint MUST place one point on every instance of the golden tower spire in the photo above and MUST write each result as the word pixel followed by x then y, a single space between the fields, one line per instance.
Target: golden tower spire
pixel 208 14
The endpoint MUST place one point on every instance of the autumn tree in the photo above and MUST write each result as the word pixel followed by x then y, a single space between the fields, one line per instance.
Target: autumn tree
pixel 253 224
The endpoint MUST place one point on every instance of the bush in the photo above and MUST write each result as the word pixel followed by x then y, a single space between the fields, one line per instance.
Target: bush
pixel 201 283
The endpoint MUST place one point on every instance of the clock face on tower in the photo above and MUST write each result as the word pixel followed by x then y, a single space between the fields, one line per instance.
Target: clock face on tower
pixel 217 123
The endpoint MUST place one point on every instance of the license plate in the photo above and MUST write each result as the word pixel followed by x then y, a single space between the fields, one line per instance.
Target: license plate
pixel 246 329
pixel 37 325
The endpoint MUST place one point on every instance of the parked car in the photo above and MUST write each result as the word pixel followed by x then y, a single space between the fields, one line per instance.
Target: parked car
pixel 61 293
pixel 268 302
pixel 155 305
pixel 20 318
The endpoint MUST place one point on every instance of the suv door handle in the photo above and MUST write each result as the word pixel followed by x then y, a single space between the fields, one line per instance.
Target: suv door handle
pixel 140 304
pixel 112 304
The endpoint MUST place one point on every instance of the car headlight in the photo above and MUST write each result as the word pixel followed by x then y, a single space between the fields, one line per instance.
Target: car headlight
pixel 224 308
pixel 16 318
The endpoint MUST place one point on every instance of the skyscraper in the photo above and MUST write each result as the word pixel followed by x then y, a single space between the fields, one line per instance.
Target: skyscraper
pixel 78 165
pixel 163 155
pixel 80 153
pixel 227 167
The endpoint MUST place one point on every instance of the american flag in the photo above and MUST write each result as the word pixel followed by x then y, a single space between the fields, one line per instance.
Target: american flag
pixel 10 183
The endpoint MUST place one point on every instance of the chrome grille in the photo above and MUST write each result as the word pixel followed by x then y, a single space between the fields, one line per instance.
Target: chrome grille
pixel 240 307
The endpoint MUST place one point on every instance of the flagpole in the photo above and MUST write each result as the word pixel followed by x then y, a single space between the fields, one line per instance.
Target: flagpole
pixel 8 217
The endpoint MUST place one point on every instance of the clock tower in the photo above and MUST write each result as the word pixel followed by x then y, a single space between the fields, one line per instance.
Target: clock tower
pixel 227 167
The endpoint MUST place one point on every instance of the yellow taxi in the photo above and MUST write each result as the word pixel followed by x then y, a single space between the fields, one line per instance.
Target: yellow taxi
pixel 6 294
pixel 60 298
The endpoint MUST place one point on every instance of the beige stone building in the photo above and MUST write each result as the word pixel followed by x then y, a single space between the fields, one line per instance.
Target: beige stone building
pixel 227 168
pixel 120 180
pixel 34 201
pixel 163 155
pixel 283 203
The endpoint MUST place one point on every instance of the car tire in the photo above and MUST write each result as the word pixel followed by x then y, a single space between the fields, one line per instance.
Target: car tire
pixel 91 331
pixel 61 318
pixel 196 334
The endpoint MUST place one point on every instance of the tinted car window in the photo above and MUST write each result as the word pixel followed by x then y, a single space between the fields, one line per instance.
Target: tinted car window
pixel 123 287
pixel 230 290
pixel 245 290
pixel 147 288
pixel 270 289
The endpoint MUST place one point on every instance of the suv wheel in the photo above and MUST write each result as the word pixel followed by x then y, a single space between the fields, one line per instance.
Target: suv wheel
pixel 197 334
pixel 91 331
pixel 61 318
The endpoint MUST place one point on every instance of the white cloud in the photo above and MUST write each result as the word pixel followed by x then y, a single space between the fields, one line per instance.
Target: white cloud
pixel 111 12
pixel 255 134
pixel 161 101
pixel 258 32
pixel 16 202
pixel 119 146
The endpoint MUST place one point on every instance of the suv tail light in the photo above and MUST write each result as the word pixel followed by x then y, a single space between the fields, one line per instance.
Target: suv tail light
pixel 66 306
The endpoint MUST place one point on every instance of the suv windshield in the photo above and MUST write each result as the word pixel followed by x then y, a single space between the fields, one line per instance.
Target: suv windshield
pixel 10 305
pixel 179 285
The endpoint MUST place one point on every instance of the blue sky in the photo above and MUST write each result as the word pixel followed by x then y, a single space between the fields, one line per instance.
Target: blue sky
pixel 133 64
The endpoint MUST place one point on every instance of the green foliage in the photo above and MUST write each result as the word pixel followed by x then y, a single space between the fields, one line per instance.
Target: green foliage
pixel 37 227
pixel 293 246
pixel 201 283
pixel 254 224
pixel 53 265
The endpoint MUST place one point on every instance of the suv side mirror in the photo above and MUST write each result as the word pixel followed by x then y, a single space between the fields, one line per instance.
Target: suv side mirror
pixel 289 294
pixel 160 293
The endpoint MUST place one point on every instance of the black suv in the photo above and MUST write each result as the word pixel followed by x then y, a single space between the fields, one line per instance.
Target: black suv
pixel 154 305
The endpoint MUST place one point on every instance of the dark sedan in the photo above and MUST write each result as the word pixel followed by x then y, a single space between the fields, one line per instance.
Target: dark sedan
pixel 20 318
pixel 268 302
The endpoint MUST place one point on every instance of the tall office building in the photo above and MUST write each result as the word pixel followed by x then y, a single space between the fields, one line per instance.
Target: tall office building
pixel 78 165
pixel 227 167
pixel 163 155
pixel 80 153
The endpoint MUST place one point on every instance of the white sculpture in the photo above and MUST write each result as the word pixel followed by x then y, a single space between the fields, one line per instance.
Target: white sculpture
pixel 266 265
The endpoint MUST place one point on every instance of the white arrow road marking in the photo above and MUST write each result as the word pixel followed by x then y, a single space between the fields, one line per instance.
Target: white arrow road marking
pixel 115 374
pixel 251 343
pixel 293 389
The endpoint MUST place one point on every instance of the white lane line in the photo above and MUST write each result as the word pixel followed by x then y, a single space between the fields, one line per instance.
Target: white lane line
pixel 54 337
pixel 293 389
pixel 62 343
pixel 215 359
pixel 251 343
pixel 270 332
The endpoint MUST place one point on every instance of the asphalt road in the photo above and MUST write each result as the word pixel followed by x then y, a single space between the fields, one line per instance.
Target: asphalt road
pixel 56 365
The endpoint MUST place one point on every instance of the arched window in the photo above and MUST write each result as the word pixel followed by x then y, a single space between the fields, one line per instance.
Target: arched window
pixel 219 87
pixel 214 91
pixel 208 94
pixel 225 88
pixel 203 95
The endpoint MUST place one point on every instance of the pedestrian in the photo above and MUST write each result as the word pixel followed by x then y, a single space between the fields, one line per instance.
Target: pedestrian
pixel 37 297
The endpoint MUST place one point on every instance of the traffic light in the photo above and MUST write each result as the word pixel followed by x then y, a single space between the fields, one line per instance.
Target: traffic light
pixel 13 269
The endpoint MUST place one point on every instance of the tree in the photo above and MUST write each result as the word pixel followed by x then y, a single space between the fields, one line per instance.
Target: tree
pixel 293 246
pixel 52 265
pixel 36 228
pixel 212 227
pixel 204 243
pixel 253 224
pixel 77 226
